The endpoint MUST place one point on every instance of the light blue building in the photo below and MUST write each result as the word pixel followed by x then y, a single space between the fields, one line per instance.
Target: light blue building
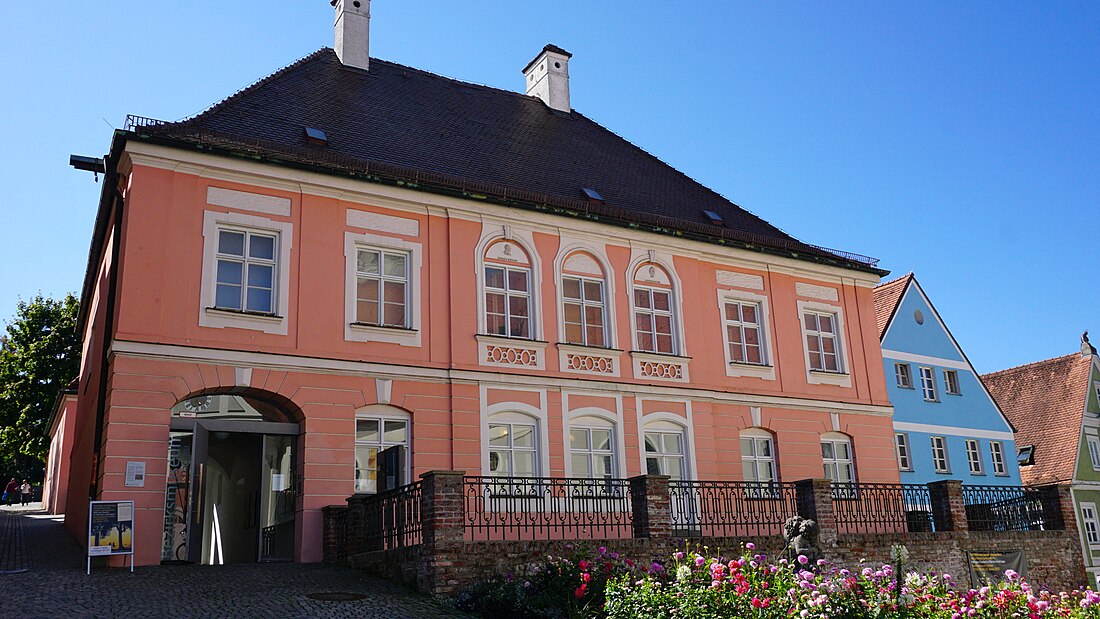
pixel 946 425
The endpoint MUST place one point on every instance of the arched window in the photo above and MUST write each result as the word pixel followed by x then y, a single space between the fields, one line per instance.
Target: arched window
pixel 584 301
pixel 654 310
pixel 758 456
pixel 381 441
pixel 592 448
pixel 665 450
pixel 513 445
pixel 508 291
pixel 836 455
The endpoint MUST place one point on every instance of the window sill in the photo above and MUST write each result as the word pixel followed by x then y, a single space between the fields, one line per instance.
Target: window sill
pixel 827 377
pixel 505 339
pixel 366 326
pixel 511 352
pixel 588 360
pixel 740 369
pixel 659 355
pixel 660 366
pixel 585 348
pixel 221 311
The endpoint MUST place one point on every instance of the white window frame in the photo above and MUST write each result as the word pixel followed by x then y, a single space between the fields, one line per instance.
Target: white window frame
pixel 382 414
pixel 491 235
pixel 513 413
pixel 1093 443
pixel 653 312
pixel 666 423
pixel 974 457
pixel 997 454
pixel 587 425
pixel 508 295
pixel 594 417
pixel 758 436
pixel 1090 524
pixel 836 462
pixel 903 450
pixel 928 384
pixel 939 443
pixel 358 332
pixel 584 305
pixel 904 379
pixel 765 370
pixel 511 449
pixel 384 280
pixel 818 377
pixel 951 382
pixel 210 315
pixel 741 326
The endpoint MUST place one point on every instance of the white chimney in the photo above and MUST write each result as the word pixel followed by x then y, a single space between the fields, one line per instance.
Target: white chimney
pixel 548 77
pixel 353 32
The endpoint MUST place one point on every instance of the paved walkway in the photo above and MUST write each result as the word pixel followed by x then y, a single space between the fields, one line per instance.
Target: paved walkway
pixel 42 575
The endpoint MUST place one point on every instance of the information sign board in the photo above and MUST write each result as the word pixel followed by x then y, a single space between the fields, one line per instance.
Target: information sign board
pixel 110 530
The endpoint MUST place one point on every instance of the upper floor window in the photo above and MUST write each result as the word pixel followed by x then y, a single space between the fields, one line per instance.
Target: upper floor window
pixel 939 455
pixel 1094 451
pixel 758 456
pixel 836 454
pixel 928 384
pixel 951 382
pixel 905 458
pixel 245 274
pixel 974 457
pixel 382 286
pixel 374 433
pixel 1092 526
pixel 903 372
pixel 744 332
pixel 508 291
pixel 997 453
pixel 654 311
pixel 822 341
pixel 583 310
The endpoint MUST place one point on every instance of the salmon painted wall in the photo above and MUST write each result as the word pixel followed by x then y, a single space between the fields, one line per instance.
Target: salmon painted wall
pixel 447 374
pixel 55 488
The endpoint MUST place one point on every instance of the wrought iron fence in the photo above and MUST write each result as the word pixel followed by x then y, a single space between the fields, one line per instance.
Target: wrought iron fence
pixel 730 508
pixel 391 519
pixel 882 508
pixel 538 508
pixel 1011 508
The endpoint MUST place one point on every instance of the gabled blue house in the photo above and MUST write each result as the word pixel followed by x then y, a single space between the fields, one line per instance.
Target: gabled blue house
pixel 946 425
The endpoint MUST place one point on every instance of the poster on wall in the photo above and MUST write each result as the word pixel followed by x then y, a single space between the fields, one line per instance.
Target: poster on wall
pixel 110 530
pixel 990 567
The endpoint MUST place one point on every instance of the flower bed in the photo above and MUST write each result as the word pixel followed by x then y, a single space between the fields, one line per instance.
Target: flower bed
pixel 702 585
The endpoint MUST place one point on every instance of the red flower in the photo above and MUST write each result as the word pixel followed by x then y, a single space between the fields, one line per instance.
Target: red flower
pixel 586 577
pixel 580 591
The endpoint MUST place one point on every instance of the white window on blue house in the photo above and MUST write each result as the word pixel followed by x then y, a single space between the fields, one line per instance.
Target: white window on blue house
pixel 904 374
pixel 928 384
pixel 974 457
pixel 939 455
pixel 951 382
pixel 1094 451
pixel 997 453
pixel 905 459
pixel 1092 526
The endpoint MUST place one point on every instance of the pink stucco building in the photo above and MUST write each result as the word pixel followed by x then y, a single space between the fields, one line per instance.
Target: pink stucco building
pixel 354 267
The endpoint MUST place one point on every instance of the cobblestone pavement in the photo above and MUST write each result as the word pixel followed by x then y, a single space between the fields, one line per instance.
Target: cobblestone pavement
pixel 55 585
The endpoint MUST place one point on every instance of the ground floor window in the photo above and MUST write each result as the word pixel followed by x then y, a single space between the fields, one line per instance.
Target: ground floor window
pixel 664 453
pixel 372 436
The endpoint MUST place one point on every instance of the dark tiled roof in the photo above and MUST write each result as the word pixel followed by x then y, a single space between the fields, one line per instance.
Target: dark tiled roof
pixel 1045 401
pixel 410 119
pixel 887 296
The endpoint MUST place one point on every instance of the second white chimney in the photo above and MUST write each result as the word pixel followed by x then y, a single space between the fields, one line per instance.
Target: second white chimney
pixel 353 32
pixel 547 77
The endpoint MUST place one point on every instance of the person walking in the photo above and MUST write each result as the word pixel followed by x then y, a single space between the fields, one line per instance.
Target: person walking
pixel 25 493
pixel 10 490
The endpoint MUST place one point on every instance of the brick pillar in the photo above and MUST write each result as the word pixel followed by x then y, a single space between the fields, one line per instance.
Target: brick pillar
pixel 652 506
pixel 335 535
pixel 948 509
pixel 815 501
pixel 356 523
pixel 442 503
pixel 1059 511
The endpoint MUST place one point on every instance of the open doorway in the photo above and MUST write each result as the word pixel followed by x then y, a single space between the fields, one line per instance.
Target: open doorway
pixel 230 496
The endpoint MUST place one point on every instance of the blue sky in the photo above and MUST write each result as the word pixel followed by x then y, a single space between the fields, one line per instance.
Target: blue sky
pixel 957 140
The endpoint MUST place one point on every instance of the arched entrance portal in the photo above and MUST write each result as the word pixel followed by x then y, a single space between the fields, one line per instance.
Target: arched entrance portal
pixel 230 496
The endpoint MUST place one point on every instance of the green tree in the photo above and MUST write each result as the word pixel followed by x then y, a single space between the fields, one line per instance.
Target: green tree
pixel 39 355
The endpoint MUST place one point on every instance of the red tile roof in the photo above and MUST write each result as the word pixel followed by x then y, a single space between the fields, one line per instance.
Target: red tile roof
pixel 887 296
pixel 1045 401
